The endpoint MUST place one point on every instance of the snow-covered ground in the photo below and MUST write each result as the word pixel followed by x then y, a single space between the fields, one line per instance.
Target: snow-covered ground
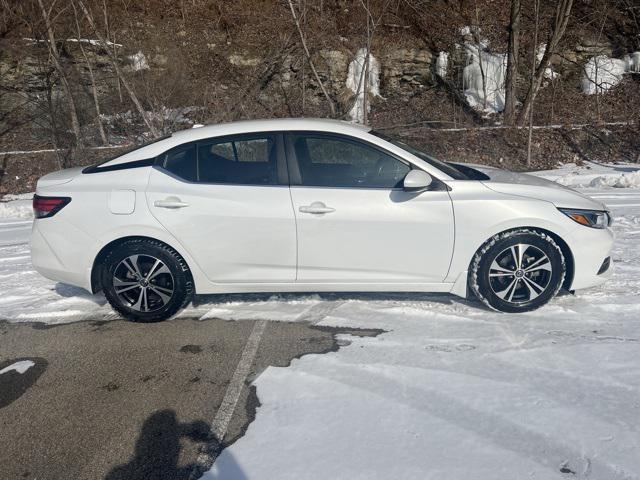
pixel 450 391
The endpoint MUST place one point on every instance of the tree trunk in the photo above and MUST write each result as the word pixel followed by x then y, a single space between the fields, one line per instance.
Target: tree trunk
pixel 534 58
pixel 116 67
pixel 55 58
pixel 512 64
pixel 94 88
pixel 313 68
pixel 561 18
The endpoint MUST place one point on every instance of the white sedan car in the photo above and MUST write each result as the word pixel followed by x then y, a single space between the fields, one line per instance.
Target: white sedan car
pixel 310 205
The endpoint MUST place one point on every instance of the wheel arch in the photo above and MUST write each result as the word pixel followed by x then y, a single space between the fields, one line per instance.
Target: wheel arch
pixel 96 268
pixel 566 251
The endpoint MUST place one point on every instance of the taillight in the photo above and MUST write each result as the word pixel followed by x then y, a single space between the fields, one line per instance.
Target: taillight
pixel 45 207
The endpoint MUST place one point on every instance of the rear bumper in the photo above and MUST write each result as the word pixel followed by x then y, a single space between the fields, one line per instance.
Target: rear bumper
pixel 54 255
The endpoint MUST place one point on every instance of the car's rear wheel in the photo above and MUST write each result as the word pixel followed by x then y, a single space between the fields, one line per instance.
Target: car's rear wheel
pixel 517 271
pixel 146 281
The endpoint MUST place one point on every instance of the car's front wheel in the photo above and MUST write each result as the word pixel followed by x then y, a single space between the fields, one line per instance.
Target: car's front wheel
pixel 146 281
pixel 517 271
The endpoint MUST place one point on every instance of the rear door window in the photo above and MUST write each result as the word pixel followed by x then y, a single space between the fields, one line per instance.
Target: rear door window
pixel 242 160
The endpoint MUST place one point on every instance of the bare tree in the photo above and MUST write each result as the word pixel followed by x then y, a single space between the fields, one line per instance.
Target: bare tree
pixel 114 62
pixel 512 63
pixel 536 13
pixel 311 64
pixel 54 55
pixel 94 89
pixel 560 20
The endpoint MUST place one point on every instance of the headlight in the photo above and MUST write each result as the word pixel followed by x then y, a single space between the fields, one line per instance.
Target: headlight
pixel 589 218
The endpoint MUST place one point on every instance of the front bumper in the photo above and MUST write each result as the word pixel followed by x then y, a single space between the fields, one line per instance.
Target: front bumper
pixel 590 248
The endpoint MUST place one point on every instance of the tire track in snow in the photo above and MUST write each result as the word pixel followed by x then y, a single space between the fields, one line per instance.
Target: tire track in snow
pixel 492 427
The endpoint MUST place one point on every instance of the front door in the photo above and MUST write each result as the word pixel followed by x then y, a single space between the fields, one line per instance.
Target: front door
pixel 355 223
pixel 227 202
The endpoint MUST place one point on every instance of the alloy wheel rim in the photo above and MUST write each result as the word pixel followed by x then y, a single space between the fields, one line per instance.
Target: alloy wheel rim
pixel 520 273
pixel 143 283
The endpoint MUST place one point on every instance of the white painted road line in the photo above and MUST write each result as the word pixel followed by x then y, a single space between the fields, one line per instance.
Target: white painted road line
pixel 223 417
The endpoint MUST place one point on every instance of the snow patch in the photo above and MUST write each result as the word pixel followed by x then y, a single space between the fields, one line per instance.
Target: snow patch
pixel 483 79
pixel 89 41
pixel 626 180
pixel 601 73
pixel 16 206
pixel 356 82
pixel 20 367
pixel 549 74
pixel 442 64
pixel 624 175
pixel 139 61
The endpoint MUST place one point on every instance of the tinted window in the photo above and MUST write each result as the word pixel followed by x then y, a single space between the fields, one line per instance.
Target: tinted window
pixel 182 162
pixel 447 168
pixel 340 162
pixel 245 161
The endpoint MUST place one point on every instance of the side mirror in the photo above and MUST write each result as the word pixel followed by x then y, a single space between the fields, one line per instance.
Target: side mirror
pixel 417 180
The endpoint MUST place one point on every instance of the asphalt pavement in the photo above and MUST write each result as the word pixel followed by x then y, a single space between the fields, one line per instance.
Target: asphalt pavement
pixel 118 400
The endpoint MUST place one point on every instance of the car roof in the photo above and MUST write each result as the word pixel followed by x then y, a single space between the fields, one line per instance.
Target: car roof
pixel 236 128
pixel 273 124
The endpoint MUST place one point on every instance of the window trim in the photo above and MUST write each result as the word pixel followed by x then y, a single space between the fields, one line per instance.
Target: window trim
pixel 282 174
pixel 294 167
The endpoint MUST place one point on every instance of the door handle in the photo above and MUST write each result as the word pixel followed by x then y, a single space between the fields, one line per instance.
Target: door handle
pixel 316 208
pixel 170 202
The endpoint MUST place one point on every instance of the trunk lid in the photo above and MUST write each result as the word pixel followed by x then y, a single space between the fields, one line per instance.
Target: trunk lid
pixel 59 178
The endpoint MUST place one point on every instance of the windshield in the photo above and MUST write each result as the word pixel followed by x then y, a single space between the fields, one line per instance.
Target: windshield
pixel 447 168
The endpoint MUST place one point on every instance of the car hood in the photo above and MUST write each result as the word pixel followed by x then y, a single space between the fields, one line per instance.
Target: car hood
pixel 525 185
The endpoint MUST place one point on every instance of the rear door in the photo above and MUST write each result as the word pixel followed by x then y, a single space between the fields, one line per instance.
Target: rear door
pixel 355 223
pixel 227 202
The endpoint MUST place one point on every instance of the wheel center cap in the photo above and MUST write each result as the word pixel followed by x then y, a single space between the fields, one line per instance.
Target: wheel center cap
pixel 144 283
pixel 519 273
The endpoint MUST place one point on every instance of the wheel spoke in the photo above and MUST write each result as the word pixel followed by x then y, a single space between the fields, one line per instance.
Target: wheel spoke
pixel 540 264
pixel 126 289
pixel 534 284
pixel 132 265
pixel 517 251
pixel 503 293
pixel 153 268
pixel 166 290
pixel 159 271
pixel 159 292
pixel 138 304
pixel 496 266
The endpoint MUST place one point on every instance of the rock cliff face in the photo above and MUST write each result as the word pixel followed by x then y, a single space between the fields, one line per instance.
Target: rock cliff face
pixel 253 66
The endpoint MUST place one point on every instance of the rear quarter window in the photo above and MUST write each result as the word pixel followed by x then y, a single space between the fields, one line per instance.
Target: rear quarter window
pixel 182 163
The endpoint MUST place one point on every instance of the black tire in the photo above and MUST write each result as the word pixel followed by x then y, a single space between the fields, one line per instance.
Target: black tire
pixel 157 304
pixel 520 291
